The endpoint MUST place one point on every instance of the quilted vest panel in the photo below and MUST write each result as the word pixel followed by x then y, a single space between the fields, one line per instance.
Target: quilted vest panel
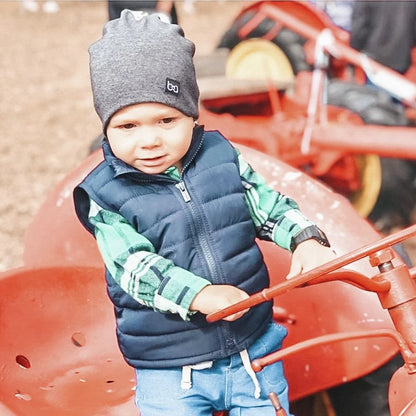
pixel 211 235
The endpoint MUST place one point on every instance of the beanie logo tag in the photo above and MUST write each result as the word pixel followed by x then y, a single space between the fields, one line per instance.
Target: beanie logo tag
pixel 172 86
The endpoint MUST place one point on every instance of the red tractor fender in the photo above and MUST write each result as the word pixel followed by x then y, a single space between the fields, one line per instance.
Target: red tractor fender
pixel 58 351
pixel 302 10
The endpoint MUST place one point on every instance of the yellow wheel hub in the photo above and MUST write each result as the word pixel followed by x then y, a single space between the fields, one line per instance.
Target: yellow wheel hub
pixel 365 199
pixel 259 59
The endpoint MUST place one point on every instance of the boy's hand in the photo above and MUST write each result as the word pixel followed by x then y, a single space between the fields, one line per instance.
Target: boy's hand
pixel 213 298
pixel 308 255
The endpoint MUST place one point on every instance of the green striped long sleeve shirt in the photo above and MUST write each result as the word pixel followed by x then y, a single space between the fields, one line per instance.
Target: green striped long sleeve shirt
pixel 155 281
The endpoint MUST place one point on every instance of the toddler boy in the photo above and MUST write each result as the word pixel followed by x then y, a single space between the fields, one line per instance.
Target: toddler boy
pixel 175 211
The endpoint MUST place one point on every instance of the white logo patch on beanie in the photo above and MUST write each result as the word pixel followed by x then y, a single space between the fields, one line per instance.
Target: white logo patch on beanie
pixel 172 86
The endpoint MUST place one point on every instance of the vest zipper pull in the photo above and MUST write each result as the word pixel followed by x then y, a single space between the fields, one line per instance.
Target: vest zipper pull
pixel 184 192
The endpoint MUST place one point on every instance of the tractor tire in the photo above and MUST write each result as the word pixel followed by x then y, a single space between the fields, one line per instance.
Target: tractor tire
pixel 373 105
pixel 397 197
pixel 291 44
pixel 353 398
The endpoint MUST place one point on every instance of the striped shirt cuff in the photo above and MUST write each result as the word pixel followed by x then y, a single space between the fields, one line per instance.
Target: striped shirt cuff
pixel 177 291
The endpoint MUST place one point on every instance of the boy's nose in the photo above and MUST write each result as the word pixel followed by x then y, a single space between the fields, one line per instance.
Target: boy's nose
pixel 149 138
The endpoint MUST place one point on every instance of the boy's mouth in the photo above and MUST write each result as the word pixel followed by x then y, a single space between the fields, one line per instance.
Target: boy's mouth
pixel 152 161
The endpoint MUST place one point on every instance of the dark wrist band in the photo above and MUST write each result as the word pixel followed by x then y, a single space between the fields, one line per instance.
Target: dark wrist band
pixel 309 233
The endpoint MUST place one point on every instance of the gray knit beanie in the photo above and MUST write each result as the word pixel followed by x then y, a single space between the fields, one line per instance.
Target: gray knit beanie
pixel 142 60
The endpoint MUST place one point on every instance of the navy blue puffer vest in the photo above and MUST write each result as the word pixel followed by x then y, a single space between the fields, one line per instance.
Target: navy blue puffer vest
pixel 210 234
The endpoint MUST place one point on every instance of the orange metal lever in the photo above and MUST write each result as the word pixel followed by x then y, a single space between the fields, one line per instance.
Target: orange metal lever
pixel 354 278
pixel 409 357
pixel 276 404
pixel 268 294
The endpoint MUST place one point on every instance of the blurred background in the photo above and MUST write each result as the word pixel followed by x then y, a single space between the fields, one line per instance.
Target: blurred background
pixel 47 119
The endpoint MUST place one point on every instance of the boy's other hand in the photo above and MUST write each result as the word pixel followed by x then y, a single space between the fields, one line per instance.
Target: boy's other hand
pixel 214 298
pixel 308 255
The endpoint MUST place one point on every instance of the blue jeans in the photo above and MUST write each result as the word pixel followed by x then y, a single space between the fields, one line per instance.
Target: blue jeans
pixel 224 386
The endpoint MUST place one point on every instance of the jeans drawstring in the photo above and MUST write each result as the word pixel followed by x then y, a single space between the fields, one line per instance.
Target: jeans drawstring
pixel 186 380
pixel 247 365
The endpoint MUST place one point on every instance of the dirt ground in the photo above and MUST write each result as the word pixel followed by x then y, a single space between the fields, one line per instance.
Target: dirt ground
pixel 47 120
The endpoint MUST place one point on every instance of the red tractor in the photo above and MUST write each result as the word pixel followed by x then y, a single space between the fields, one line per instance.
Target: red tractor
pixel 58 351
pixel 310 71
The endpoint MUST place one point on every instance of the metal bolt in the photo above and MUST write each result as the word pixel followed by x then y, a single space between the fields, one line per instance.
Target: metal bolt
pixel 382 259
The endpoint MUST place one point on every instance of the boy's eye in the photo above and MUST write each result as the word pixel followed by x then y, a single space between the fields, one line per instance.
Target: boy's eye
pixel 128 126
pixel 167 120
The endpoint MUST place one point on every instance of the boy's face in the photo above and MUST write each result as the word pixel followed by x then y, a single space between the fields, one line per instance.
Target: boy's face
pixel 150 136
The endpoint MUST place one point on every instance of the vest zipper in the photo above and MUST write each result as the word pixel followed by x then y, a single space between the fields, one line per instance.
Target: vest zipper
pixel 184 192
pixel 201 232
pixel 203 242
pixel 181 185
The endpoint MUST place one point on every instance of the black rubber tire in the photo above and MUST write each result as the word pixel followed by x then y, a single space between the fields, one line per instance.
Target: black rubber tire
pixel 373 105
pixel 366 395
pixel 397 198
pixel 291 43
